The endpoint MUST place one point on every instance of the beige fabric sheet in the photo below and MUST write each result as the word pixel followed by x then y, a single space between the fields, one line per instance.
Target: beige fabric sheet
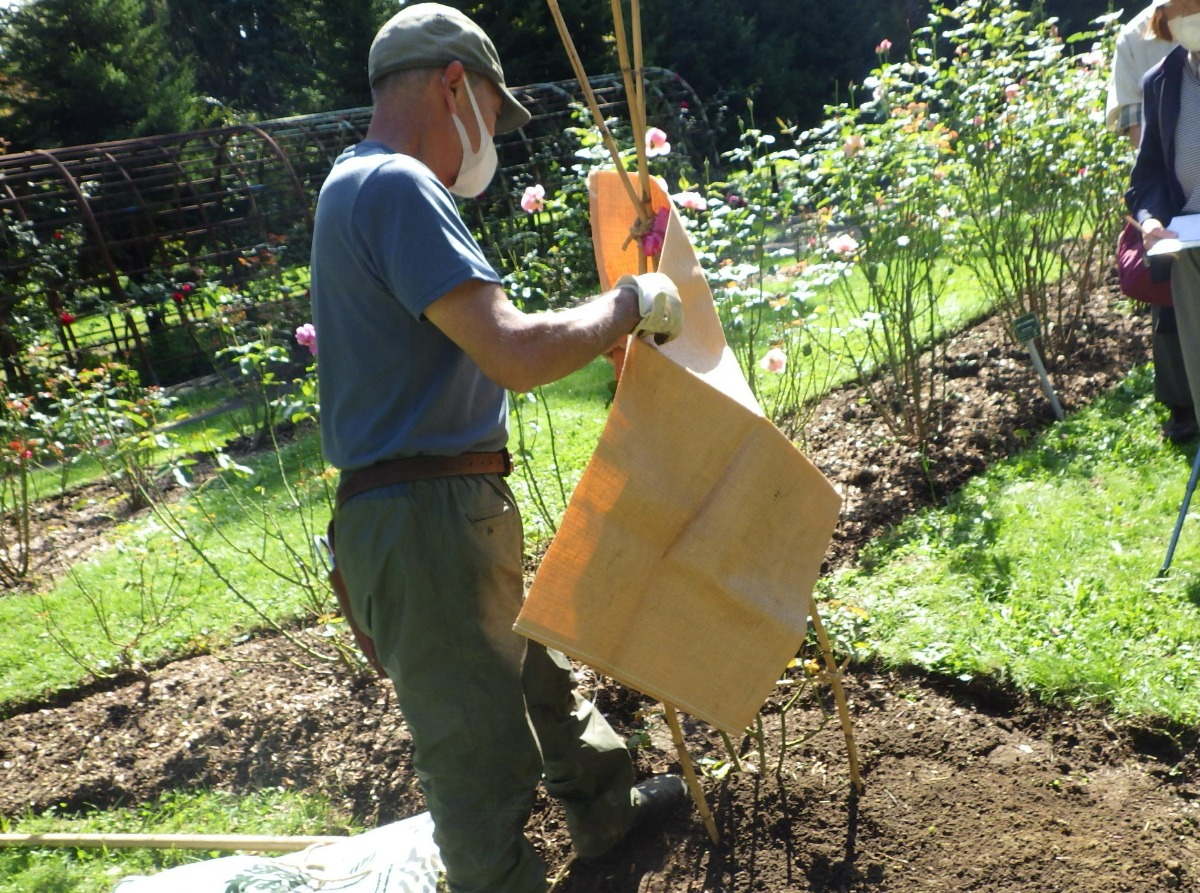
pixel 687 555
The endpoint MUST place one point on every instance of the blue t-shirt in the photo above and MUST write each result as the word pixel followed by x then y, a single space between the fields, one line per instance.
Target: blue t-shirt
pixel 387 243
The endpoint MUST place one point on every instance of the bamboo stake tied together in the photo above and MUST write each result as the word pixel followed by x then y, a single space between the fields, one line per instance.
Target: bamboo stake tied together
pixel 632 74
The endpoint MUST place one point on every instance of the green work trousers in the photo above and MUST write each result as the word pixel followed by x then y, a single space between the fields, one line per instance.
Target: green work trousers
pixel 434 574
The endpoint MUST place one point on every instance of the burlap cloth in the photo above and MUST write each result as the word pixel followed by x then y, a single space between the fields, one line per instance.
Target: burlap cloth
pixel 687 555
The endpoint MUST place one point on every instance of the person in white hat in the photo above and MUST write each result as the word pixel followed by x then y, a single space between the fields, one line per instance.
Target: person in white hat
pixel 1165 181
pixel 1136 50
pixel 418 345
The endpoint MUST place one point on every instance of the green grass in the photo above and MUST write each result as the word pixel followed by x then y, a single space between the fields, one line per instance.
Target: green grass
pixel 197 419
pixel 1043 572
pixel 148 594
pixel 90 870
pixel 553 434
pixel 948 592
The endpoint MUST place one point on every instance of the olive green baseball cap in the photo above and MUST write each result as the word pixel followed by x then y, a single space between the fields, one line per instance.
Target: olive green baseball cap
pixel 432 35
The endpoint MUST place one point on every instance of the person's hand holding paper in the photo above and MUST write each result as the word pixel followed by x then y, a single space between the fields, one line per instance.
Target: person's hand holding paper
pixel 1181 233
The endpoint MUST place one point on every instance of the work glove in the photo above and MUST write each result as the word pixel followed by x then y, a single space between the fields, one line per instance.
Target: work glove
pixel 659 305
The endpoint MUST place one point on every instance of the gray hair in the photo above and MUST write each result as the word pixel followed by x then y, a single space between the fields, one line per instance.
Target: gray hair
pixel 407 82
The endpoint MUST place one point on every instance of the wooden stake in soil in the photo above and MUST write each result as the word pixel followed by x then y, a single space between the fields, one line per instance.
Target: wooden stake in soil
pixel 689 773
pixel 839 694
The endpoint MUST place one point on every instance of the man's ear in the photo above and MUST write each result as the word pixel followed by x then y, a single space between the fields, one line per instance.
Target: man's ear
pixel 452 81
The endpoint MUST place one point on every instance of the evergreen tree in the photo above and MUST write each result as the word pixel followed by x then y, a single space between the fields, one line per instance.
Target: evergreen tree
pixel 528 42
pixel 246 55
pixel 792 57
pixel 272 58
pixel 84 71
pixel 337 35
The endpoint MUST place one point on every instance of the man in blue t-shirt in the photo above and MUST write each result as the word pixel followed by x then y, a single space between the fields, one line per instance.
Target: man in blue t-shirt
pixel 419 346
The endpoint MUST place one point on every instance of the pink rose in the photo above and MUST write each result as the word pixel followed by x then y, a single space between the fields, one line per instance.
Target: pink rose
pixel 774 361
pixel 843 244
pixel 534 199
pixel 656 142
pixel 306 336
pixel 693 201
pixel 884 46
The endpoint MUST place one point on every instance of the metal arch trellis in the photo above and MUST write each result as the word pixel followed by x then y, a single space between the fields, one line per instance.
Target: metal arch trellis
pixel 134 219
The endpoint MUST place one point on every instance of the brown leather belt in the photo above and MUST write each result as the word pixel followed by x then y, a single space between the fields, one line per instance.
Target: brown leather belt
pixel 420 468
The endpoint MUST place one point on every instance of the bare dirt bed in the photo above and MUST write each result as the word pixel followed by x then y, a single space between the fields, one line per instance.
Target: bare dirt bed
pixel 968 787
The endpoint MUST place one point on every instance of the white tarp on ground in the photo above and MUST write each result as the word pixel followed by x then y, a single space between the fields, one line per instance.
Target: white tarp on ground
pixel 396 858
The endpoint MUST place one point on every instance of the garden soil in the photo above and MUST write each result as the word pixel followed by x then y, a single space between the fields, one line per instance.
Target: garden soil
pixel 968 786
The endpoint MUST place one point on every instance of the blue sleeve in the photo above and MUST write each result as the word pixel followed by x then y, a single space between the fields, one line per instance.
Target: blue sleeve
pixel 418 243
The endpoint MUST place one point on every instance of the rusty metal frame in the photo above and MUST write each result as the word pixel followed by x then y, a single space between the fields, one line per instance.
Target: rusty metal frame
pixel 220 192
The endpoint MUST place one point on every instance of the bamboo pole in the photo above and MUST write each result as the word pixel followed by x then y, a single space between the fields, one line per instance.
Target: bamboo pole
pixel 634 99
pixel 635 90
pixel 639 99
pixel 689 773
pixel 626 68
pixel 839 694
pixel 594 107
pixel 250 842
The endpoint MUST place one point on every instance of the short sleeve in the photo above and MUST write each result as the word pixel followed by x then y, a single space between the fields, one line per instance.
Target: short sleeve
pixel 414 235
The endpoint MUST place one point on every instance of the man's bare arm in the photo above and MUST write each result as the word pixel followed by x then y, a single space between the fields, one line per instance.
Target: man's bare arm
pixel 520 351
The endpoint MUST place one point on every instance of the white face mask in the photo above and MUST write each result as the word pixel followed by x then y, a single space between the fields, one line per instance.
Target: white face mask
pixel 1186 31
pixel 478 166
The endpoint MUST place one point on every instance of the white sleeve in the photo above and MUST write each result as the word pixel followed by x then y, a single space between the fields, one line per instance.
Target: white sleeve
pixel 1125 87
pixel 1133 55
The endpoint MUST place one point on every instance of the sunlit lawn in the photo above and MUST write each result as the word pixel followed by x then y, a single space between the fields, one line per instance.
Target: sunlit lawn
pixel 1043 572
